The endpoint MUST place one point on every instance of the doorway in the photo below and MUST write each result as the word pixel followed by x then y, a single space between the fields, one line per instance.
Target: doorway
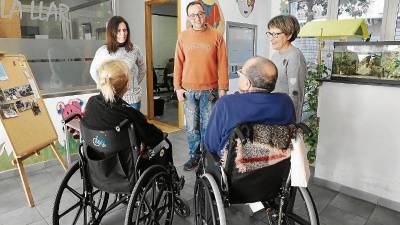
pixel 162 25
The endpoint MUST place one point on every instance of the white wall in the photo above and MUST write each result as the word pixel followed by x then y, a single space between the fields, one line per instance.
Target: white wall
pixel 133 12
pixel 263 11
pixel 358 143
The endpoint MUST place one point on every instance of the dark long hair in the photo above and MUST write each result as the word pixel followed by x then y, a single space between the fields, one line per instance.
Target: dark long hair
pixel 112 31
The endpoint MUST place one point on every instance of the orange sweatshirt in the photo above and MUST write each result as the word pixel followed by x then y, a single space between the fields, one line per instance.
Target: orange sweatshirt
pixel 200 61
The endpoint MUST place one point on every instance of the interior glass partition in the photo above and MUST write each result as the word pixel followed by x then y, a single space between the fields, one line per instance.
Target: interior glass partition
pixel 59 39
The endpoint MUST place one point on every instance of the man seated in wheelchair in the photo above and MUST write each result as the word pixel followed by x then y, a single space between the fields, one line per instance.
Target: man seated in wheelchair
pixel 250 131
pixel 108 110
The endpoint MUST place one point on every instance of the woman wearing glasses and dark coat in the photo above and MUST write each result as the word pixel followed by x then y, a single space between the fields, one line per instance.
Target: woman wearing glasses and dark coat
pixel 290 61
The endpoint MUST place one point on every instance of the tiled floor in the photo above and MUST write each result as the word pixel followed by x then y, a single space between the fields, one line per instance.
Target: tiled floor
pixel 334 208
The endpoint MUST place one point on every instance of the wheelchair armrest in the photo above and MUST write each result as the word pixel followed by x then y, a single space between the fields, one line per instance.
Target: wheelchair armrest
pixel 164 144
pixel 304 128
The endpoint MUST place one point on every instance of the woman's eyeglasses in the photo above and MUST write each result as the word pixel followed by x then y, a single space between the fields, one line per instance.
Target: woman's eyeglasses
pixel 274 35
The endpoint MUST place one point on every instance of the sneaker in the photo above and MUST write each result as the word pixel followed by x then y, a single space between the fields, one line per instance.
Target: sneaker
pixel 191 164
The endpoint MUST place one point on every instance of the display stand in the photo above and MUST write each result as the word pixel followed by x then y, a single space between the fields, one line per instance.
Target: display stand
pixel 24 116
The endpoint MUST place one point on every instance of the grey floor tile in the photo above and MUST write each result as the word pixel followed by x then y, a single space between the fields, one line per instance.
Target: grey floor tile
pixel 114 217
pixel 8 185
pixel 334 216
pixel 240 214
pixel 21 216
pixel 384 216
pixel 45 207
pixel 42 222
pixel 322 196
pixel 352 205
pixel 12 200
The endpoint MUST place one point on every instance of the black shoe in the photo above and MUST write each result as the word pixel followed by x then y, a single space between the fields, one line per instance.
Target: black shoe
pixel 191 164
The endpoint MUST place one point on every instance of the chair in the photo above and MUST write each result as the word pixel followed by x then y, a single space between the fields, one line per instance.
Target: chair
pixel 112 163
pixel 255 168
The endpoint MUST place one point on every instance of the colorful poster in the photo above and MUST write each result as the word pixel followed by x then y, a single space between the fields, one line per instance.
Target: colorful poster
pixel 214 16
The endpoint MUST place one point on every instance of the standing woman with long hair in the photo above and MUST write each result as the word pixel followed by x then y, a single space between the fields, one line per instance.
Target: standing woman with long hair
pixel 119 46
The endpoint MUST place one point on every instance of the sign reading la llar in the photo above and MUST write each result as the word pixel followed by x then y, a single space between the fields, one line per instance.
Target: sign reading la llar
pixel 37 12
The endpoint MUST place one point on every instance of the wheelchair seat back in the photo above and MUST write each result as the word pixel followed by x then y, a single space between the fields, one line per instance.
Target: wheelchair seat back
pixel 109 158
pixel 257 161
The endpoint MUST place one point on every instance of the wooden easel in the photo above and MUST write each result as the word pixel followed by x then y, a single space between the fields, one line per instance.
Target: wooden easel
pixel 28 133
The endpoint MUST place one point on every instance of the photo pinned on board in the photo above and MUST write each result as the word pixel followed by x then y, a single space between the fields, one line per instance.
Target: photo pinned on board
pixel 8 111
pixel 35 108
pixel 11 94
pixel 2 97
pixel 24 104
pixel 25 90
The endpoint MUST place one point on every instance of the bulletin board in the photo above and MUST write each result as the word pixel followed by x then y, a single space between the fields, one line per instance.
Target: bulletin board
pixel 28 131
pixel 23 114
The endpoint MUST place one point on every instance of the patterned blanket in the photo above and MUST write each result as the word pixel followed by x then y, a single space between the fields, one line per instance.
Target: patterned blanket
pixel 265 146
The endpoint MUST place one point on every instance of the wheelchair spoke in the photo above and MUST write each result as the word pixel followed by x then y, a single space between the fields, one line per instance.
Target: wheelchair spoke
pixel 84 215
pixel 70 209
pixel 153 195
pixel 162 210
pixel 158 199
pixel 74 192
pixel 77 215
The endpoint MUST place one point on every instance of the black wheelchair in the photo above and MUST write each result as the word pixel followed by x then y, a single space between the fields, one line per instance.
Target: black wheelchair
pixel 255 168
pixel 112 170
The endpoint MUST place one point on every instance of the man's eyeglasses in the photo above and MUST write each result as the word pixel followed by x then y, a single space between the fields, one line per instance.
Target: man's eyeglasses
pixel 241 74
pixel 274 35
pixel 198 15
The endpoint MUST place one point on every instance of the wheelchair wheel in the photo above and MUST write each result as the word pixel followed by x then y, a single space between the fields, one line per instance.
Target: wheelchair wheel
pixel 152 199
pixel 208 205
pixel 73 206
pixel 302 211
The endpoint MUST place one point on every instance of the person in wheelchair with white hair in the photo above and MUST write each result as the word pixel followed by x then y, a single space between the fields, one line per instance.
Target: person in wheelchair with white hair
pixel 253 104
pixel 107 109
pixel 120 154
pixel 248 147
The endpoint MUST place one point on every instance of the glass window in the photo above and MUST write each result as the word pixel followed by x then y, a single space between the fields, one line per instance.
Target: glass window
pixel 64 19
pixel 58 37
pixel 371 10
pixel 305 10
pixel 397 32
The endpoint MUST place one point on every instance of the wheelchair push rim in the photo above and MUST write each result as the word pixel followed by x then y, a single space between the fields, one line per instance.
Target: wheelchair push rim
pixel 208 204
pixel 76 200
pixel 152 199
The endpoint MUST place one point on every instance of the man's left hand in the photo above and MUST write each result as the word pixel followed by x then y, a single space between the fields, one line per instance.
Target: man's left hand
pixel 221 93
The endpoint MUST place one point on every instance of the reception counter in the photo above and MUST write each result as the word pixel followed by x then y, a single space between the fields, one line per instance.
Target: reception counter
pixel 358 150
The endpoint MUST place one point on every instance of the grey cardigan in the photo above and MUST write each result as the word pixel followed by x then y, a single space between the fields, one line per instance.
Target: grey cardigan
pixel 292 70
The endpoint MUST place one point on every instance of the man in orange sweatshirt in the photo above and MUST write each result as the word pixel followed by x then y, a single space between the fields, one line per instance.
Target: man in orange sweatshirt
pixel 200 76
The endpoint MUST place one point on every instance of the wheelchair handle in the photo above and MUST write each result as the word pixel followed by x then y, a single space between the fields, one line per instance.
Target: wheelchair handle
pixel 120 125
pixel 71 117
pixel 307 130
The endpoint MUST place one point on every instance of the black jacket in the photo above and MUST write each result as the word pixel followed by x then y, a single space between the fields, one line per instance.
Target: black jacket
pixel 100 115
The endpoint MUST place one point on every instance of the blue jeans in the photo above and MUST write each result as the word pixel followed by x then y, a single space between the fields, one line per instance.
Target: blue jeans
pixel 136 105
pixel 198 106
